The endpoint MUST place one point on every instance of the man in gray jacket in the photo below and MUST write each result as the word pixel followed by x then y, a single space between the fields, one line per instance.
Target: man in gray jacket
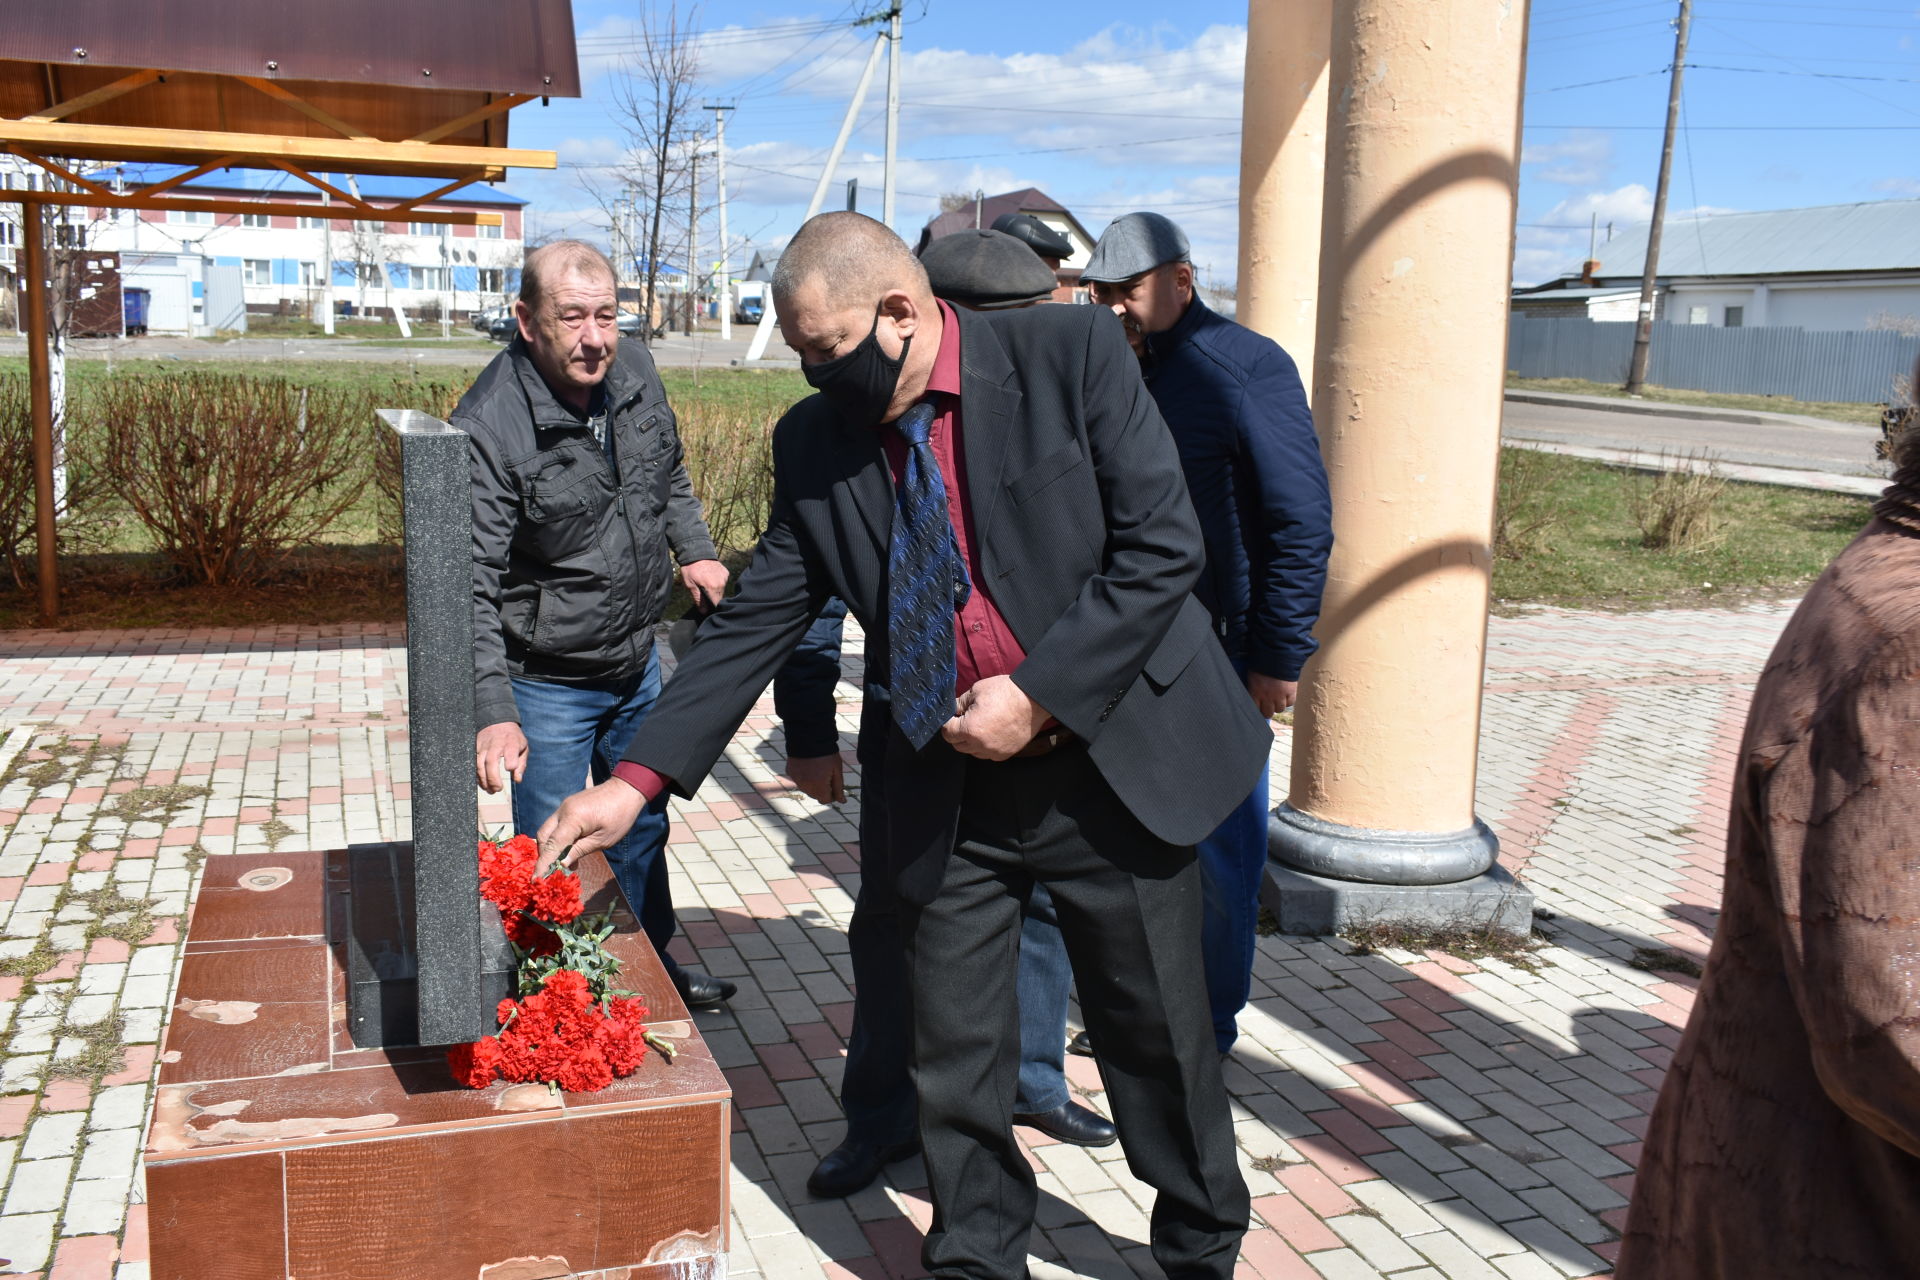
pixel 581 506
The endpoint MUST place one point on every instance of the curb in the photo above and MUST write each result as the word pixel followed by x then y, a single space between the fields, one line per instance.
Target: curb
pixel 1648 407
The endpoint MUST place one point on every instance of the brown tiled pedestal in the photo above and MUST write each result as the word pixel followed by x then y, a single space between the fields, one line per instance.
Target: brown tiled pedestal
pixel 278 1151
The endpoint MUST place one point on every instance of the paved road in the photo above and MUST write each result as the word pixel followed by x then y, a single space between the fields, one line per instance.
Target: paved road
pixel 1802 444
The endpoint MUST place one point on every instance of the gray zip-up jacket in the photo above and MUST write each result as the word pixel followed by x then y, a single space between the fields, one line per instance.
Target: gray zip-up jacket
pixel 570 569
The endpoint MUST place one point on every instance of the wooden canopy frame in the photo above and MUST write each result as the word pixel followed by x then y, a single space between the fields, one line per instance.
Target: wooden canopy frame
pixel 211 118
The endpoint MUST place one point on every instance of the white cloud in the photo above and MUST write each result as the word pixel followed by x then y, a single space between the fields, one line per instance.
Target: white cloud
pixel 1905 188
pixel 1577 160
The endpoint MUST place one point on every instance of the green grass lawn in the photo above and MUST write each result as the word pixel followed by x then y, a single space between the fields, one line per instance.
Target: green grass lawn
pixel 1839 412
pixel 1771 541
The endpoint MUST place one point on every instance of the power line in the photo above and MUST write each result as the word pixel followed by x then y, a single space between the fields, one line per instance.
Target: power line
pixel 1588 84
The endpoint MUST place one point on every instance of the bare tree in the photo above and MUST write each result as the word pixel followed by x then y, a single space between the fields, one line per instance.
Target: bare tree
pixel 658 102
pixel 367 246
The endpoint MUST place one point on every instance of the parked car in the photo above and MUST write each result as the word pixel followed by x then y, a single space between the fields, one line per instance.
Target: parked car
pixel 504 326
pixel 748 312
pixel 484 320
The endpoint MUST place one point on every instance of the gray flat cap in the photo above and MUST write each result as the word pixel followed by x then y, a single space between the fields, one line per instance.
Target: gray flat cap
pixel 1035 234
pixel 986 270
pixel 1133 243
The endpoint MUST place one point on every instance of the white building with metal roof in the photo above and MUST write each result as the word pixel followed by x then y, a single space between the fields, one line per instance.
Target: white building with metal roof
pixel 1843 266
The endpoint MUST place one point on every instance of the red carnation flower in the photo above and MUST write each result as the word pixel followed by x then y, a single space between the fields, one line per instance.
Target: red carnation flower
pixel 475 1065
pixel 556 897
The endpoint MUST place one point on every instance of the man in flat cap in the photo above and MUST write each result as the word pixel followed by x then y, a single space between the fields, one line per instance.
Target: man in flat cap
pixel 1051 247
pixel 1239 417
pixel 981 271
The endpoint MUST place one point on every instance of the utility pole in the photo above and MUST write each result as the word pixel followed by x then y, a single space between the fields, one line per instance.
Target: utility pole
pixel 1643 331
pixel 720 192
pixel 693 231
pixel 326 266
pixel 764 330
pixel 893 108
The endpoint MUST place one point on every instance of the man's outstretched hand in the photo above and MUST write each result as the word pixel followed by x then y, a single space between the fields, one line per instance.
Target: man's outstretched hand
pixel 588 820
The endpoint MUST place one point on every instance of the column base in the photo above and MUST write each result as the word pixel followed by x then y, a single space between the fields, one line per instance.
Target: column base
pixel 1379 857
pixel 1325 878
pixel 1315 906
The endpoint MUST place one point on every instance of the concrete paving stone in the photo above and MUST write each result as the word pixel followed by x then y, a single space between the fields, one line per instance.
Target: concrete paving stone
pixel 1486 1195
pixel 1524 1086
pixel 1499 1166
pixel 1555 1207
pixel 54 1134
pixel 1524 1114
pixel 1590 1126
pixel 1342 1264
pixel 1474 1227
pixel 1393 1207
pixel 1431 1155
pixel 1585 1154
pixel 120 1107
pixel 26 1239
pixel 96 1206
pixel 1456 1260
pixel 1407 1176
pixel 1525 1266
pixel 1558 1248
pixel 37 1186
pixel 1580 1186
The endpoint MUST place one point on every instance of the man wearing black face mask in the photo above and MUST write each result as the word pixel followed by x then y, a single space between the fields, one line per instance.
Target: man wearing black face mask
pixel 999 503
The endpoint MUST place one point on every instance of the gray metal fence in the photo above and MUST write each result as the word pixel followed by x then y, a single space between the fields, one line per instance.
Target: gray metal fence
pixel 1805 364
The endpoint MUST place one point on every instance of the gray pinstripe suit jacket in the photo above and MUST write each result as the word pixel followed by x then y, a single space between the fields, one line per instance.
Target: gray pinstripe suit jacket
pixel 1085 539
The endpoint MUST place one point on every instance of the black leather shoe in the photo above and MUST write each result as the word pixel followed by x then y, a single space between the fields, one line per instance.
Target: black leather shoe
pixel 1071 1122
pixel 853 1165
pixel 701 990
pixel 1081 1044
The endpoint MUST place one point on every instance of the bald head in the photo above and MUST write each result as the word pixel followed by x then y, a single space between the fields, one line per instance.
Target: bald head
pixel 851 260
pixel 553 262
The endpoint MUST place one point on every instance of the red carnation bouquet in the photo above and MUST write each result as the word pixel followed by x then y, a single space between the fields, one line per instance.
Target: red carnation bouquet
pixel 570 1027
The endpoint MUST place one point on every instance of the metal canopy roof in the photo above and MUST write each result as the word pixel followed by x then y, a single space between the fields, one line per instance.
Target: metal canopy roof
pixel 1880 236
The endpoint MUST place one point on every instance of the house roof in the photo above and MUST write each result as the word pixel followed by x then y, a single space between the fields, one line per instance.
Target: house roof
pixel 1025 200
pixel 282 185
pixel 1549 294
pixel 1881 236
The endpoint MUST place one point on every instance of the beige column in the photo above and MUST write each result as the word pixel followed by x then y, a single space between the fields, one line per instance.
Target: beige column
pixel 1283 162
pixel 1423 157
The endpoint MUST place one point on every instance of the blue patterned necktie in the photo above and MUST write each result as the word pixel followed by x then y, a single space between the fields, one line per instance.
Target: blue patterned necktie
pixel 926 581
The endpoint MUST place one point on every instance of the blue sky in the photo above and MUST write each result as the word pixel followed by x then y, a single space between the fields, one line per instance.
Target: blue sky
pixel 1121 104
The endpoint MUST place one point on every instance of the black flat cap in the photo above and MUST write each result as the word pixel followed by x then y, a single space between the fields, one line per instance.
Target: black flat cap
pixel 986 270
pixel 1035 234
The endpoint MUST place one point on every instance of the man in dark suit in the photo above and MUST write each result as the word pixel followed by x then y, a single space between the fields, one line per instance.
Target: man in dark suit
pixel 997 500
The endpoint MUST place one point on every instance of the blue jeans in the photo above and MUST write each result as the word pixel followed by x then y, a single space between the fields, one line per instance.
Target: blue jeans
pixel 1041 988
pixel 579 732
pixel 1232 862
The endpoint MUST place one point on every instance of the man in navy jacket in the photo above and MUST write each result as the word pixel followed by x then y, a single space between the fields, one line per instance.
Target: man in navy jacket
pixel 1240 419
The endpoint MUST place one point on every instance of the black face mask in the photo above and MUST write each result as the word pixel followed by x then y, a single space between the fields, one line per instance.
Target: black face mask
pixel 861 383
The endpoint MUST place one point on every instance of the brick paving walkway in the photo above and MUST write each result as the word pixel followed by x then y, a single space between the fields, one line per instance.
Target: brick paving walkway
pixel 1414 1115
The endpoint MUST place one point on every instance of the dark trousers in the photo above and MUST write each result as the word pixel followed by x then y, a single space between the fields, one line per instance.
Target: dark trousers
pixel 876 1091
pixel 1129 907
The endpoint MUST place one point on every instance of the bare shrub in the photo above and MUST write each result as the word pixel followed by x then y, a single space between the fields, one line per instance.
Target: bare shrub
pixel 1524 514
pixel 1907 326
pixel 227 472
pixel 729 458
pixel 1674 509
pixel 80 520
pixel 383 456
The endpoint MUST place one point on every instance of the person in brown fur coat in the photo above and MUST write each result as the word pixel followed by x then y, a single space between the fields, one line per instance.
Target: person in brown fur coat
pixel 1786 1140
